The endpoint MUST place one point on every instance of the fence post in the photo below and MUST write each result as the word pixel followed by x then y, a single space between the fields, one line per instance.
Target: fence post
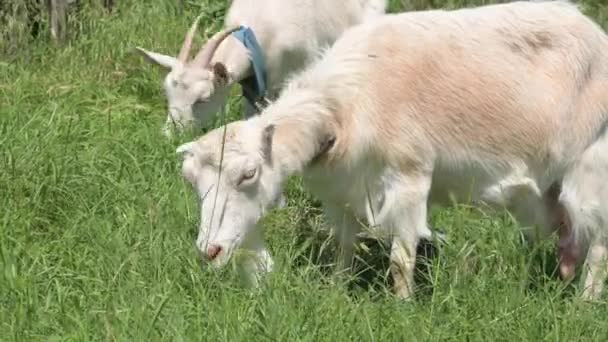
pixel 58 19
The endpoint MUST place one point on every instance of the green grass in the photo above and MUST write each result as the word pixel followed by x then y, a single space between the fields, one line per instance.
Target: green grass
pixel 97 228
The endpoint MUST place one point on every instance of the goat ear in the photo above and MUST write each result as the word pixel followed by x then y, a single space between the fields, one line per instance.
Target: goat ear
pixel 267 136
pixel 187 149
pixel 164 61
pixel 190 169
pixel 220 72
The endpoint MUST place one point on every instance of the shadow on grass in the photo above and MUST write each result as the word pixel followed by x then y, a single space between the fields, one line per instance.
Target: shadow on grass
pixel 370 270
pixel 371 273
pixel 544 272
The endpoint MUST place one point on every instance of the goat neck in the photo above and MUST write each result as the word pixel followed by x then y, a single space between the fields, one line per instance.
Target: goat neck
pixel 235 57
pixel 299 137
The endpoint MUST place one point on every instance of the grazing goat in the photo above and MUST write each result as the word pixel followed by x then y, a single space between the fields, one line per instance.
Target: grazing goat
pixel 262 44
pixel 502 104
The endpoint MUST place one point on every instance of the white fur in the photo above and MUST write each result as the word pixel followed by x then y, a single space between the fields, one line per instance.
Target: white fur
pixel 401 142
pixel 290 34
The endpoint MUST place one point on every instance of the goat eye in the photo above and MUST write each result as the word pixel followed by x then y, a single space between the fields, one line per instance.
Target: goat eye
pixel 249 174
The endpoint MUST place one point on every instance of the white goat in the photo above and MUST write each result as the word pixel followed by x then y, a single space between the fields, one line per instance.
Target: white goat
pixel 502 104
pixel 289 35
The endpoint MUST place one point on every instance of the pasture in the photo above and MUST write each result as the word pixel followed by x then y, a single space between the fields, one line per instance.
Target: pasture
pixel 97 226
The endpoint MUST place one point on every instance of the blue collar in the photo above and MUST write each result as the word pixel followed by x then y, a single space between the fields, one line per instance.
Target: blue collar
pixel 254 87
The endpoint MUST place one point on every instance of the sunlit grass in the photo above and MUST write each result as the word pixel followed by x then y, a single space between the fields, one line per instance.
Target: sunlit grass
pixel 97 228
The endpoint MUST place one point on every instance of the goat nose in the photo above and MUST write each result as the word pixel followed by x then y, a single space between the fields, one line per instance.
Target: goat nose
pixel 213 251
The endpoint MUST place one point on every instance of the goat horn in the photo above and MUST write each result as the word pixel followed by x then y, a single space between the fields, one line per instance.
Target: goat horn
pixel 203 58
pixel 184 53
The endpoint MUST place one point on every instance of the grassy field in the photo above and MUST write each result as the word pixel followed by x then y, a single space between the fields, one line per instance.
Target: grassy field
pixel 97 228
